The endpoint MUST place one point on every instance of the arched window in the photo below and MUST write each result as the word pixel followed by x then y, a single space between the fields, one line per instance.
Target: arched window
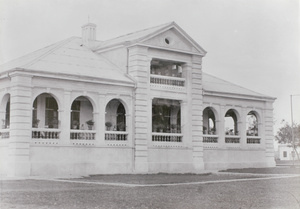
pixel 5 112
pixel 115 116
pixel 231 123
pixel 252 124
pixel 45 112
pixel 82 114
pixel 209 121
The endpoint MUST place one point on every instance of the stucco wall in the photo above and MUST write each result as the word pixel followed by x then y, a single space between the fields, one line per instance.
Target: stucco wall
pixel 75 161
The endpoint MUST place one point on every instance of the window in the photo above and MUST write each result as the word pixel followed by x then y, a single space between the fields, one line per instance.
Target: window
pixel 284 153
pixel 166 116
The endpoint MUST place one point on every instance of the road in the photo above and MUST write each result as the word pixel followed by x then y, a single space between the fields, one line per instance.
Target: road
pixel 200 192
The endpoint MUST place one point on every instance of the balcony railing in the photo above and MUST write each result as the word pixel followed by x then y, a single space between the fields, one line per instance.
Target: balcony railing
pixel 166 137
pixel 4 133
pixel 82 135
pixel 39 133
pixel 253 140
pixel 166 80
pixel 116 136
pixel 210 139
pixel 232 139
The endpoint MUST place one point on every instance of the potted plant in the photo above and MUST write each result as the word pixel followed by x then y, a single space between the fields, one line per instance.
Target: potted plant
pixel 108 125
pixel 90 124
pixel 121 126
pixel 160 128
pixel 174 128
pixel 204 130
pixel 35 123
pixel 75 124
pixel 213 131
pixel 3 124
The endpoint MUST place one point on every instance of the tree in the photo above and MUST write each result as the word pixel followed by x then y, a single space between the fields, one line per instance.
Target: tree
pixel 284 136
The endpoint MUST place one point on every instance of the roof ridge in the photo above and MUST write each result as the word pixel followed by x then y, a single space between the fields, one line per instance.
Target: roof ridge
pixel 234 84
pixel 58 44
pixel 169 23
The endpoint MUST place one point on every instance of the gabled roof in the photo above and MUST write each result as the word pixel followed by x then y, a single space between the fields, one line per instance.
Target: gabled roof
pixel 217 86
pixel 142 35
pixel 68 57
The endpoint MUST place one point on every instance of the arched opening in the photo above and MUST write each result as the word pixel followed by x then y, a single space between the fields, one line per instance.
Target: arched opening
pixel 209 122
pixel 45 112
pixel 231 123
pixel 121 118
pixel 82 114
pixel 5 112
pixel 252 124
pixel 115 116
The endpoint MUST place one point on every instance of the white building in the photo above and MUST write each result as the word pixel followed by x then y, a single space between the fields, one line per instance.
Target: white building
pixel 150 109
pixel 285 152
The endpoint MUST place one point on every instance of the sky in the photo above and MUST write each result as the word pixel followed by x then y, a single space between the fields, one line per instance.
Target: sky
pixel 252 43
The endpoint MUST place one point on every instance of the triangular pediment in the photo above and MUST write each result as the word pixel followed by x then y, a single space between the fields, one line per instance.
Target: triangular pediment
pixel 173 38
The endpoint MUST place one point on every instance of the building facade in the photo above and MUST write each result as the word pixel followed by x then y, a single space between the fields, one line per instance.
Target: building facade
pixel 139 103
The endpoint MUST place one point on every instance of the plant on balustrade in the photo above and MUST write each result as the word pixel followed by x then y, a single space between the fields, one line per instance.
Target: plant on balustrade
pixel 35 123
pixel 121 126
pixel 90 124
pixel 204 129
pixel 108 125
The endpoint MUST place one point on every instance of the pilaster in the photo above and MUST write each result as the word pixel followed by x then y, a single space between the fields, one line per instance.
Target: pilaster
pixel 20 126
pixel 139 68
pixel 196 90
pixel 269 135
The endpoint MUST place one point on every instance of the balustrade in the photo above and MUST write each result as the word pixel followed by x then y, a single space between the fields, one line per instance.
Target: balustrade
pixel 165 80
pixel 82 135
pixel 45 133
pixel 253 140
pixel 116 136
pixel 210 139
pixel 232 139
pixel 4 134
pixel 166 137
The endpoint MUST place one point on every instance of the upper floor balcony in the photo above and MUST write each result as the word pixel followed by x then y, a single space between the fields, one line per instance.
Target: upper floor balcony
pixel 167 75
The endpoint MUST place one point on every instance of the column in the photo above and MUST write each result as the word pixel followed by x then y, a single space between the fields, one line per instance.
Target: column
pixel 221 131
pixel 20 126
pixel 242 127
pixel 66 118
pixel 100 121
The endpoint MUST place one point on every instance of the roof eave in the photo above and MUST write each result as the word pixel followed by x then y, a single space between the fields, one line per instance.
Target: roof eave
pixel 238 96
pixel 65 76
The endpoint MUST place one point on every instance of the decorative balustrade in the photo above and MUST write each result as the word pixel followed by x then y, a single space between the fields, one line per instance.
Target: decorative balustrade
pixel 82 135
pixel 166 80
pixel 253 140
pixel 38 133
pixel 232 139
pixel 166 137
pixel 210 139
pixel 4 133
pixel 116 136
